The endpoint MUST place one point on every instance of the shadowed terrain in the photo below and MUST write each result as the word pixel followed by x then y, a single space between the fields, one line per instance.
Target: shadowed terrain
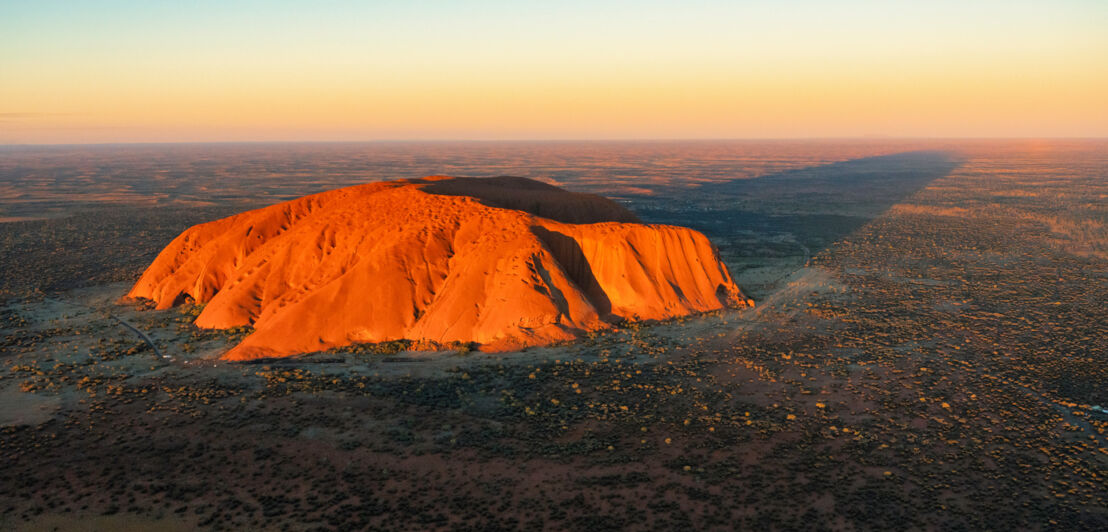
pixel 793 215
pixel 865 187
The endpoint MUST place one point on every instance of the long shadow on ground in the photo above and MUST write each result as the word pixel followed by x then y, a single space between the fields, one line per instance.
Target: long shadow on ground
pixel 798 212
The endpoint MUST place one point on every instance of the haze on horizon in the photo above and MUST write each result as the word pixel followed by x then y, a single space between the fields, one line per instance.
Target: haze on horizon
pixel 125 71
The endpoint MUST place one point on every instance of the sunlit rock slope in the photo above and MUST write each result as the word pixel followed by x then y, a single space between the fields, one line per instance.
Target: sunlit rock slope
pixel 502 262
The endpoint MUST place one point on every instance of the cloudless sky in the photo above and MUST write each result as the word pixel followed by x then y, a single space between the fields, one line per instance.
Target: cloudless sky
pixel 152 71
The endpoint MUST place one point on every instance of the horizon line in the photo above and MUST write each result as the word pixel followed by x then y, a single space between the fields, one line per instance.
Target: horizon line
pixel 556 140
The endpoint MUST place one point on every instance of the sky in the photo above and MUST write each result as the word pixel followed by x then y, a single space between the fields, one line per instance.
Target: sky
pixel 83 71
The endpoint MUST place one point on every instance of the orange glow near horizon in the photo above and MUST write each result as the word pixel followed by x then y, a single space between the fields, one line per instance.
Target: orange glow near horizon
pixel 313 86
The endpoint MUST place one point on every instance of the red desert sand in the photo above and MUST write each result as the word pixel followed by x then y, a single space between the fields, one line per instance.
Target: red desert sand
pixel 502 262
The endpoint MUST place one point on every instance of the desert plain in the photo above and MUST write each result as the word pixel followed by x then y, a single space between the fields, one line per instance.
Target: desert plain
pixel 927 350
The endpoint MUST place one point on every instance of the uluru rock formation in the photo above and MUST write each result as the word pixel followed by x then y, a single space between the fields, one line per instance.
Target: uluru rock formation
pixel 502 262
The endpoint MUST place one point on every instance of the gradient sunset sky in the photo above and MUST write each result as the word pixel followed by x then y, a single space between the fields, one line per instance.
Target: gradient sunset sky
pixel 149 71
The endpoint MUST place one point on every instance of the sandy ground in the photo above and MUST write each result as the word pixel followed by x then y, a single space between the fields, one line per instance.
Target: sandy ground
pixel 19 408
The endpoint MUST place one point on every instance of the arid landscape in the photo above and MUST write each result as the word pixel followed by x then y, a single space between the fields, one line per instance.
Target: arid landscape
pixel 927 350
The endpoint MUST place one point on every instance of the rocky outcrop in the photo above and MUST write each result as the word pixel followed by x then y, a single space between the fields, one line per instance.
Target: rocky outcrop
pixel 504 262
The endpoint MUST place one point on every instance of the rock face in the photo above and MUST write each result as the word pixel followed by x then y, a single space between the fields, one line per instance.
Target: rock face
pixel 503 262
